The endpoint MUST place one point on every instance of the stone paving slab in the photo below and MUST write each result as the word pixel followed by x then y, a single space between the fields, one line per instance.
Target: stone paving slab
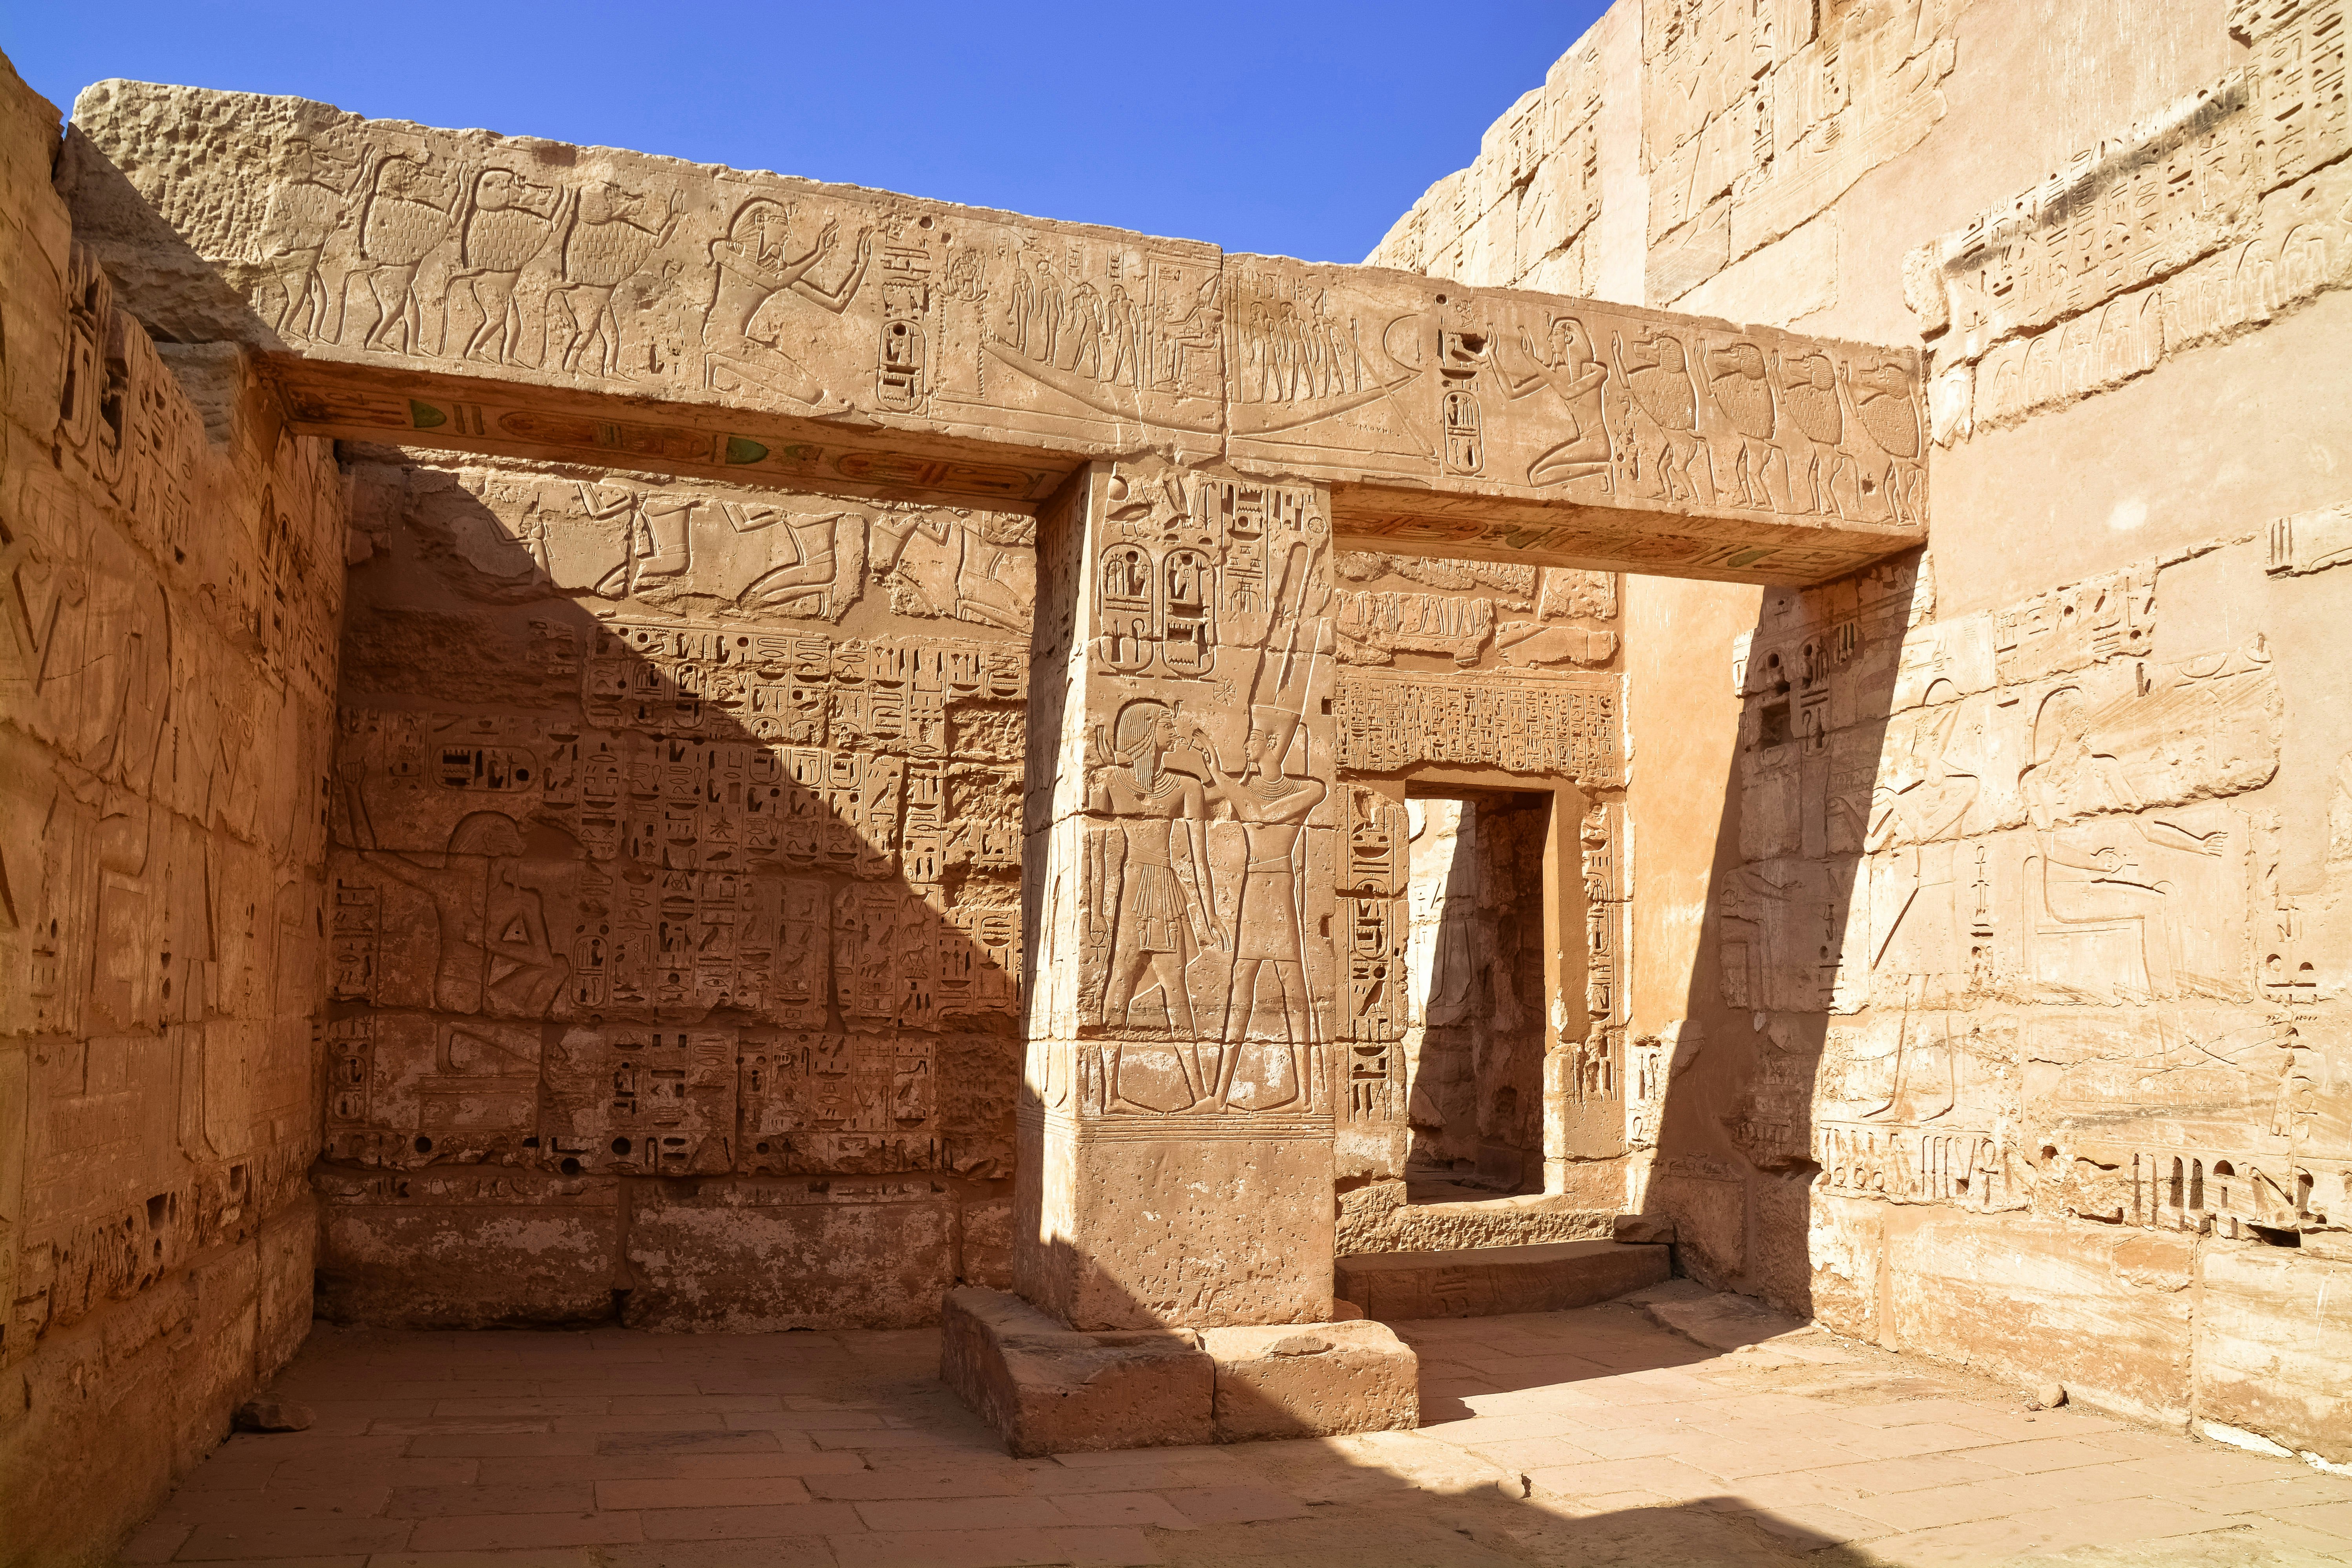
pixel 1595 1436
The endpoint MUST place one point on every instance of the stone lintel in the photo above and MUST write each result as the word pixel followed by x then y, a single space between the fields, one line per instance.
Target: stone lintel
pixel 472 290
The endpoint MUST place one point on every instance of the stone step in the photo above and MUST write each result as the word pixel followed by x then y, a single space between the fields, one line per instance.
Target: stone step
pixel 1482 1281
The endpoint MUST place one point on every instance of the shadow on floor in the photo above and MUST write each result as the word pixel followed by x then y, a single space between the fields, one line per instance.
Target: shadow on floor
pixel 1590 1437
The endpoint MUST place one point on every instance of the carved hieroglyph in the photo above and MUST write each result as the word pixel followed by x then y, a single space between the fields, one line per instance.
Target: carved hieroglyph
pixel 725 884
pixel 2211 215
pixel 2075 955
pixel 495 293
pixel 1181 867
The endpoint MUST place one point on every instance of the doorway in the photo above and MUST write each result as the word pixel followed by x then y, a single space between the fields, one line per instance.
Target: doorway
pixel 1477 987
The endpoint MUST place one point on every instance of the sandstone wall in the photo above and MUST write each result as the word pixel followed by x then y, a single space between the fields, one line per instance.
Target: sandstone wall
pixel 170 573
pixel 676 870
pixel 1990 920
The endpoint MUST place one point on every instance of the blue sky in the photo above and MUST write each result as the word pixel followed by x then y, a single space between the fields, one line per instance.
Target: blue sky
pixel 1301 129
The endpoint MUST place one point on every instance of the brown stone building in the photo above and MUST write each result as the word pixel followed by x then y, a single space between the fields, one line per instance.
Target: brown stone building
pixel 591 738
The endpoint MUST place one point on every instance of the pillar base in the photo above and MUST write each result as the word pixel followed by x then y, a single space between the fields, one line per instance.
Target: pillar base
pixel 1048 1389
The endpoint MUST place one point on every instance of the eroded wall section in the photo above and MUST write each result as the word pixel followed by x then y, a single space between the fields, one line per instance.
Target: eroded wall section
pixel 676 882
pixel 169 578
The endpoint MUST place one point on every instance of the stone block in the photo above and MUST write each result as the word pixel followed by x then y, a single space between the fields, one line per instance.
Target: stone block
pixel 2274 1347
pixel 1308 1379
pixel 1847 1250
pixel 1048 1389
pixel 2104 1311
pixel 760 1257
pixel 1710 1216
pixel 453 1250
pixel 289 1247
pixel 1379 1218
pixel 1477 1282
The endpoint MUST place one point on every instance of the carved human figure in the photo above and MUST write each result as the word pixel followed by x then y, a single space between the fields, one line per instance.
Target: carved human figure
pixel 1158 918
pixel 753 264
pixel 958 566
pixel 1124 322
pixel 656 542
pixel 605 244
pixel 1081 352
pixel 804 556
pixel 489 904
pixel 1190 330
pixel 1917 928
pixel 1568 364
pixel 2085 878
pixel 1272 805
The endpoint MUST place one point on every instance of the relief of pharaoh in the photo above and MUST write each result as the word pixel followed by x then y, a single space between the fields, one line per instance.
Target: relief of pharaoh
pixel 1157 920
pixel 754 266
pixel 1568 363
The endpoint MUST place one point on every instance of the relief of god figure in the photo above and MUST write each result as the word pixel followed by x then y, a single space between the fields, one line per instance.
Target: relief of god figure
pixel 1159 917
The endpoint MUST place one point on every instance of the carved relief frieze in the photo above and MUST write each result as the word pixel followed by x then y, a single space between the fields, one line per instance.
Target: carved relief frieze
pixel 1755 117
pixel 1205 984
pixel 2022 864
pixel 2211 216
pixel 705 894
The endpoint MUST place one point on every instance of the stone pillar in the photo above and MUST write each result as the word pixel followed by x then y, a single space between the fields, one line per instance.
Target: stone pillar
pixel 1177 1104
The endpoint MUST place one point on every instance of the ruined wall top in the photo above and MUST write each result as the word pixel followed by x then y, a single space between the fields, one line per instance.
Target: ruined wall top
pixel 528 298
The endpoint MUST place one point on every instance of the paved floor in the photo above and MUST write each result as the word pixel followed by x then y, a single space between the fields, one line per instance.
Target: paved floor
pixel 1589 1437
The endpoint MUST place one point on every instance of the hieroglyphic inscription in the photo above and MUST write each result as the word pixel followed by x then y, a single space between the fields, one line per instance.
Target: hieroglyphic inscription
pixel 1565 726
pixel 755 868
pixel 2214 214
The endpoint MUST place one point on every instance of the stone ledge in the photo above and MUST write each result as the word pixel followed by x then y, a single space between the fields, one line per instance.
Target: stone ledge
pixel 1048 1389
pixel 1313 1380
pixel 1478 1282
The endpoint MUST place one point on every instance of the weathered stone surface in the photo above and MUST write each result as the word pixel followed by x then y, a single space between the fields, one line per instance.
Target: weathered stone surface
pixel 1380 1218
pixel 170 572
pixel 469 1248
pixel 488 290
pixel 1048 1389
pixel 1483 1282
pixel 767 1256
pixel 2107 1314
pixel 2273 1348
pixel 1312 1380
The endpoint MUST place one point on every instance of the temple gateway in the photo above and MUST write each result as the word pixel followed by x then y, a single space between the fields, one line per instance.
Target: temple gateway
pixel 1758 697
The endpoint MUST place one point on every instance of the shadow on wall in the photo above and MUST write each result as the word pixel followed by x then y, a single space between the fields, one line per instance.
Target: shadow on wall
pixel 1787 1115
pixel 2013 988
pixel 675 933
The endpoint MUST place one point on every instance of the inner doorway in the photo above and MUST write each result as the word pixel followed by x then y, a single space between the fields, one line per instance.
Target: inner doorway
pixel 1477 983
